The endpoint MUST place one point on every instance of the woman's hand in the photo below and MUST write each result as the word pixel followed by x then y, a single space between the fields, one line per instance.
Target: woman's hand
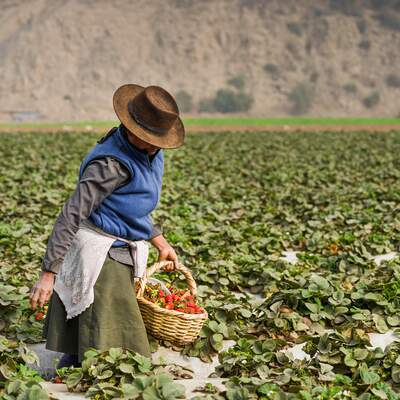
pixel 42 290
pixel 165 252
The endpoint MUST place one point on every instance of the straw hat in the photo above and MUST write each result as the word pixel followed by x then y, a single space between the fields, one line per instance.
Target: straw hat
pixel 150 113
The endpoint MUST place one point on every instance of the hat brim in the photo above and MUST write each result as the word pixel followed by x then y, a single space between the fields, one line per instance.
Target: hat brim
pixel 170 140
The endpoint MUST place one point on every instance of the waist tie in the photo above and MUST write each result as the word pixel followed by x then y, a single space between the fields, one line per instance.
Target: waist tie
pixel 138 249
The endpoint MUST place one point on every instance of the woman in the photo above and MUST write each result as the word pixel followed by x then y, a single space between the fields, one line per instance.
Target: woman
pixel 119 186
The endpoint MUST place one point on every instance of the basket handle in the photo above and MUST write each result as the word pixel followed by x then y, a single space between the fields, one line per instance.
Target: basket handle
pixel 161 264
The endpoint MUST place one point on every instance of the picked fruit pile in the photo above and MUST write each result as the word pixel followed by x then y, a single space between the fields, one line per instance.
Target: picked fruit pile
pixel 174 299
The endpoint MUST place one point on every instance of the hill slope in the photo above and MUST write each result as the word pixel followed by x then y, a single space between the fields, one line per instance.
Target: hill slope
pixel 63 59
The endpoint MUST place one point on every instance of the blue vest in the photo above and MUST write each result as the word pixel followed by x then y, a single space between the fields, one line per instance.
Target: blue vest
pixel 126 212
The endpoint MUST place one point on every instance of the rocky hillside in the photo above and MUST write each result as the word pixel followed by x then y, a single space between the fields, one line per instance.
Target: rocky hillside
pixel 63 59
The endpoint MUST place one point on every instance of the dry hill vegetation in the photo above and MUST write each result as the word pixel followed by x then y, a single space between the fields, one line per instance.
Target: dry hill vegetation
pixel 63 59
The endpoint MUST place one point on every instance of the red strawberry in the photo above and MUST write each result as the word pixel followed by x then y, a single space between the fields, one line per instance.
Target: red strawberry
pixel 168 298
pixel 161 293
pixel 57 379
pixel 169 306
pixel 39 316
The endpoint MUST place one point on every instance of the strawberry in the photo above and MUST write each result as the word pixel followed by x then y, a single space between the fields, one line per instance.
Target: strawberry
pixel 178 299
pixel 57 379
pixel 168 298
pixel 39 316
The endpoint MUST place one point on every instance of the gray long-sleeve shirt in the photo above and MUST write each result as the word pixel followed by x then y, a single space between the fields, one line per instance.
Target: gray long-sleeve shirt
pixel 99 179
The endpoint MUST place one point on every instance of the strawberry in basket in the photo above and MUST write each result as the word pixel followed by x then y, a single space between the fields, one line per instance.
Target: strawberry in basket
pixel 170 313
pixel 174 299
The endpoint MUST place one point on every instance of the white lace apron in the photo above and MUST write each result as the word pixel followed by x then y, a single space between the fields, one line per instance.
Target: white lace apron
pixel 82 264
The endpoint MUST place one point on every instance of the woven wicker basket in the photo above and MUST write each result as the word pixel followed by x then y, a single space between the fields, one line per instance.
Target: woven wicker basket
pixel 177 327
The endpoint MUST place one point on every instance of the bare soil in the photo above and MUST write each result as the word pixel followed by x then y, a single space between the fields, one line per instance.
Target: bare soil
pixel 228 128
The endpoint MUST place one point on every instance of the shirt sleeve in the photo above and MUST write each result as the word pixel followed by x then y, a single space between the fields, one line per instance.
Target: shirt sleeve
pixel 157 230
pixel 100 178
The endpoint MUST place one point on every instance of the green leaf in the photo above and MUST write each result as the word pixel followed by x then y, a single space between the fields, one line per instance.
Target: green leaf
pixel 381 394
pixel 73 379
pixel 150 393
pixel 393 320
pixel 13 387
pixel 115 352
pixel 29 356
pixel 350 361
pixel 396 373
pixel 360 354
pixel 172 390
pixel 380 323
pixel 320 281
pixel 216 341
pixel 281 357
pixel 268 389
pixel 367 376
pixel 105 374
pixel 263 371
pixel 312 307
pixel 130 391
pixel 245 313
pixel 126 368
pixel 223 281
pixel 213 325
pixel 237 394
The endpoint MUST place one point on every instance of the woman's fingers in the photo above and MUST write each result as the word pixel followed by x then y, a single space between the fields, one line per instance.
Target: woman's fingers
pixel 170 267
pixel 44 297
pixel 174 264
pixel 39 296
pixel 168 255
pixel 163 254
pixel 33 297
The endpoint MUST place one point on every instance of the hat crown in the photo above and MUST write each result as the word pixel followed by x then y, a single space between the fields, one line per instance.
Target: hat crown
pixel 155 109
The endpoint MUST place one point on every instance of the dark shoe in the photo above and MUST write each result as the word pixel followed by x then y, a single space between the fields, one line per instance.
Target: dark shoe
pixel 69 360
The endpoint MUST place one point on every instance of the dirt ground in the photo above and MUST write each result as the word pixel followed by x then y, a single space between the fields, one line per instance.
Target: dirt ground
pixel 242 128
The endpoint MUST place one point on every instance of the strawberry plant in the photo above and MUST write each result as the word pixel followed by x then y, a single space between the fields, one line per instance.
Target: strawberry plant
pixel 231 206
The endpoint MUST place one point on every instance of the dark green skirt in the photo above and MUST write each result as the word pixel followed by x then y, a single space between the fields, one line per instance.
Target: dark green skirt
pixel 112 320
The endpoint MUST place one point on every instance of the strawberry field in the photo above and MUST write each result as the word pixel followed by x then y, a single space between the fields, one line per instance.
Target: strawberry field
pixel 232 205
